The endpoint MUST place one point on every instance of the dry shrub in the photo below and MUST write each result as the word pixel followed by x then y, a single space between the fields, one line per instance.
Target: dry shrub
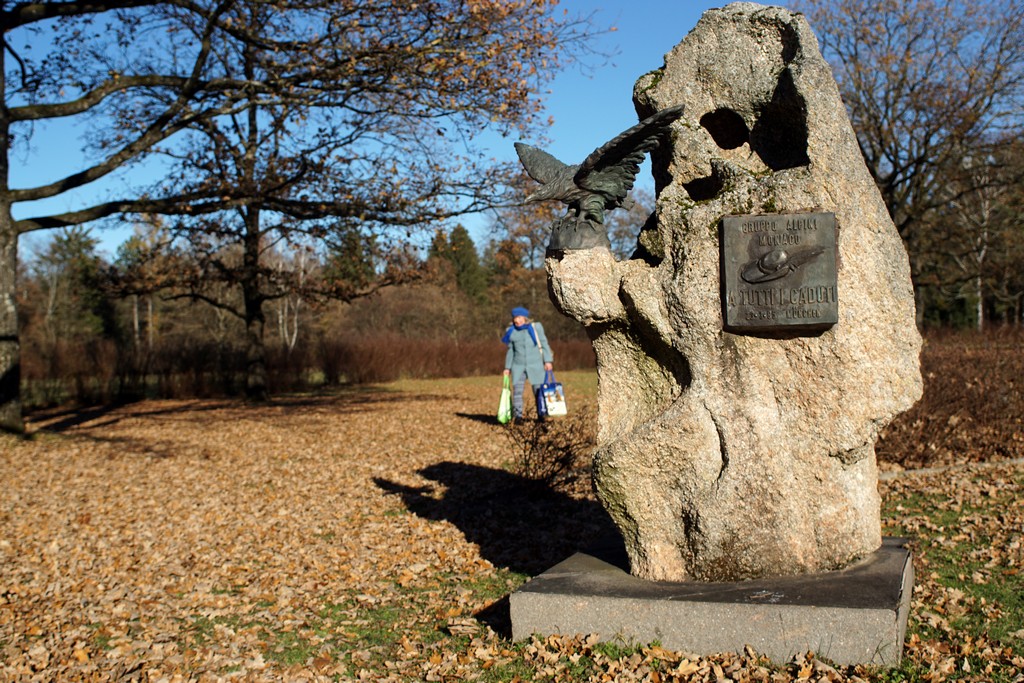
pixel 291 370
pixel 555 452
pixel 390 357
pixel 972 409
pixel 574 354
pixel 84 371
pixel 101 371
pixel 197 369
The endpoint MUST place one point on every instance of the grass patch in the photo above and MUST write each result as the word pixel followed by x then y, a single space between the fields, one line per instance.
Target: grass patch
pixel 972 583
pixel 367 635
pixel 101 637
pixel 508 671
pixel 909 671
pixel 495 586
pixel 290 648
pixel 199 631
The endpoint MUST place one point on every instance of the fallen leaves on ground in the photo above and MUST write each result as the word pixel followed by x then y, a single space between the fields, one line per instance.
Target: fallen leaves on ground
pixel 369 535
pixel 966 526
pixel 972 408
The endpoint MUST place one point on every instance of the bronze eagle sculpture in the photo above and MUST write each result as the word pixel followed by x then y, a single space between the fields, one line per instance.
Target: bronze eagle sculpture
pixel 597 185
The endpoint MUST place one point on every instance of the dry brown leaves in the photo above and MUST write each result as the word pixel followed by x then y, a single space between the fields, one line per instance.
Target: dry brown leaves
pixel 972 408
pixel 970 518
pixel 128 538
pixel 366 536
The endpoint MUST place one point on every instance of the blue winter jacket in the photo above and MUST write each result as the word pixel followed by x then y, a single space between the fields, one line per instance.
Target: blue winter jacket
pixel 524 356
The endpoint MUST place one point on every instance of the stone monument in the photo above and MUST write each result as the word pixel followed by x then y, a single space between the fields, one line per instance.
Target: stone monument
pixel 762 334
pixel 738 410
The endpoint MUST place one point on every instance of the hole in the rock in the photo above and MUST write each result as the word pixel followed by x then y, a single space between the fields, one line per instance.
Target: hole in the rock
pixel 727 128
pixel 790 43
pixel 780 135
pixel 704 188
pixel 660 161
pixel 649 247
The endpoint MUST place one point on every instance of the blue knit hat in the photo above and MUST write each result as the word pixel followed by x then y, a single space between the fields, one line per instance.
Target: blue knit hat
pixel 519 310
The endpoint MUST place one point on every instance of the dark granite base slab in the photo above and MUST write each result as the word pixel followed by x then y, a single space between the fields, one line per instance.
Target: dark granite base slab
pixel 857 615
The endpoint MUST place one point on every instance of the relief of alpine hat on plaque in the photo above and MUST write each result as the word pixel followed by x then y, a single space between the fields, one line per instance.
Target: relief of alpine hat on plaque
pixel 779 272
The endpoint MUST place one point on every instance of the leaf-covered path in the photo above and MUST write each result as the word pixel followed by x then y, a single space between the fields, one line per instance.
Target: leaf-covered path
pixel 366 535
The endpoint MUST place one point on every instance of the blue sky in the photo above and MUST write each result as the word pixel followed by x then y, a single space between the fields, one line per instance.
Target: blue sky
pixel 593 104
pixel 589 105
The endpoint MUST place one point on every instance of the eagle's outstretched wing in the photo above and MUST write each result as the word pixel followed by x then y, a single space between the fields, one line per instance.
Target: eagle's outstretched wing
pixel 611 169
pixel 540 165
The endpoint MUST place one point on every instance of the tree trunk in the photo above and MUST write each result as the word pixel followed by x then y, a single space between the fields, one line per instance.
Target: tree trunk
pixel 255 353
pixel 979 292
pixel 293 333
pixel 150 325
pixel 919 300
pixel 10 347
pixel 252 294
pixel 135 320
pixel 255 320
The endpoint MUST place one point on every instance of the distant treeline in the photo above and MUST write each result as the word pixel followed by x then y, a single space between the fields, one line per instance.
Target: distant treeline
pixel 88 338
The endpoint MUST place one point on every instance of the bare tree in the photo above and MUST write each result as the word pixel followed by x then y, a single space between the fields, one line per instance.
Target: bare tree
pixel 976 213
pixel 138 273
pixel 516 255
pixel 300 267
pixel 174 77
pixel 980 233
pixel 927 83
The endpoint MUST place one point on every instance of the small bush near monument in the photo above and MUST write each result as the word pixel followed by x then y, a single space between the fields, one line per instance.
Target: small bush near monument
pixel 554 452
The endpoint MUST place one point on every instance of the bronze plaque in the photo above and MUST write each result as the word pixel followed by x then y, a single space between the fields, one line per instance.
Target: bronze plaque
pixel 779 272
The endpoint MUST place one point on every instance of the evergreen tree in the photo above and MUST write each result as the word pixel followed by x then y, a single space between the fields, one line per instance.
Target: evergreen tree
pixel 460 251
pixel 70 275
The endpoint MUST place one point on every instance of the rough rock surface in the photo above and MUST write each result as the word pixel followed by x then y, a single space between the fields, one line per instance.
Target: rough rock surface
pixel 725 456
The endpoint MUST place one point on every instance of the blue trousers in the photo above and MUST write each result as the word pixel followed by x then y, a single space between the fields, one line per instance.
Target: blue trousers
pixel 518 387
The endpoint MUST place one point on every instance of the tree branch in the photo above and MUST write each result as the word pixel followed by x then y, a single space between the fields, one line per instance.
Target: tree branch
pixel 30 12
pixel 35 112
pixel 187 205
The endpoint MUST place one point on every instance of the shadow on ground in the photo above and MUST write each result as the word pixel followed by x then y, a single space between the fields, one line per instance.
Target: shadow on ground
pixel 479 417
pixel 90 422
pixel 517 523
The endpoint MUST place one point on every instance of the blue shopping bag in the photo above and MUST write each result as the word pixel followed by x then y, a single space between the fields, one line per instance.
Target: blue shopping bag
pixel 551 397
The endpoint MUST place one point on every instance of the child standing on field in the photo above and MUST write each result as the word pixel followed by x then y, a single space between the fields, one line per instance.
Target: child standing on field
pixel 528 357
